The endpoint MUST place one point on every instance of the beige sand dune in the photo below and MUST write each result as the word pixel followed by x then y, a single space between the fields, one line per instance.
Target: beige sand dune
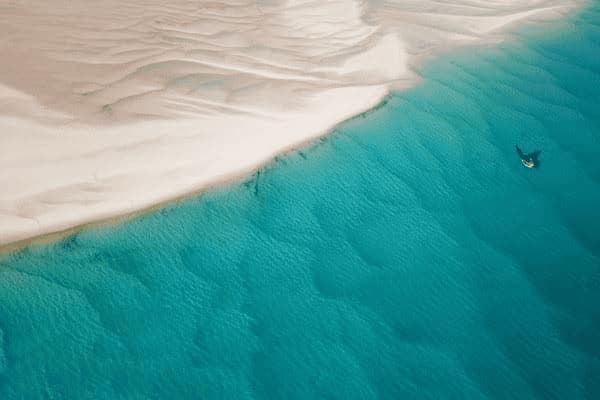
pixel 108 107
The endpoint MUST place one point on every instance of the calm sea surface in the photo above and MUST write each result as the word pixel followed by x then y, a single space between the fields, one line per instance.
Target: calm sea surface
pixel 409 255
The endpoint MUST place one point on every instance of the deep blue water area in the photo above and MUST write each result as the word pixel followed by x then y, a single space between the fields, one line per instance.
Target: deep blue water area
pixel 408 255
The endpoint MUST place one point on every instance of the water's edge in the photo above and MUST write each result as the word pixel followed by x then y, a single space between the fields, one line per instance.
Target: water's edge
pixel 512 35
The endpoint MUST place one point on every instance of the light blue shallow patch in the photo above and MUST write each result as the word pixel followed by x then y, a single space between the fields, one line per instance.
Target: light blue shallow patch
pixel 408 255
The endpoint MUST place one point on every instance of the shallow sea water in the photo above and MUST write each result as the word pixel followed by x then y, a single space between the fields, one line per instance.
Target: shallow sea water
pixel 409 255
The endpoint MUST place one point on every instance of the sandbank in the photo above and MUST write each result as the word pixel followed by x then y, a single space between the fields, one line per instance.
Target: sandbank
pixel 108 108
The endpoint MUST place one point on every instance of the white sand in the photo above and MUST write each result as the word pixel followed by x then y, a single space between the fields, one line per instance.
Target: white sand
pixel 108 107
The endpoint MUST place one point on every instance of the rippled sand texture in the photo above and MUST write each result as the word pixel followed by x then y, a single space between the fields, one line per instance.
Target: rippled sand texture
pixel 407 256
pixel 107 107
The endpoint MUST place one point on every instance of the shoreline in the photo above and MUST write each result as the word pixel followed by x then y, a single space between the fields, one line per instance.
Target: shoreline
pixel 101 192
pixel 56 236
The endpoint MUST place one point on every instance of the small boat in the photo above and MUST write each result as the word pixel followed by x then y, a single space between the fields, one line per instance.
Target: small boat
pixel 528 160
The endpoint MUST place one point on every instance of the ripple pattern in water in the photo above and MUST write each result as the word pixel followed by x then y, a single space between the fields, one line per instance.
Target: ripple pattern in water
pixel 408 255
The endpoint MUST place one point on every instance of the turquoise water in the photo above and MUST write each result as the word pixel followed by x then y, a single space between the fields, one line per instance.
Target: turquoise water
pixel 409 255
